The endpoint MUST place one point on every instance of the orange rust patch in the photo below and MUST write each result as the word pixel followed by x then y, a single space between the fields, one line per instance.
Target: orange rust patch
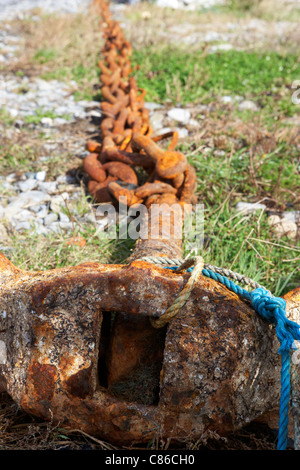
pixel 79 385
pixel 43 378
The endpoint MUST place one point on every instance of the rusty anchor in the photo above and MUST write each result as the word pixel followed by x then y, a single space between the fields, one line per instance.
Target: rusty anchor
pixel 78 345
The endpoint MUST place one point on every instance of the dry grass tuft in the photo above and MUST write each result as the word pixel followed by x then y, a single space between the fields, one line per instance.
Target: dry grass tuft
pixel 62 45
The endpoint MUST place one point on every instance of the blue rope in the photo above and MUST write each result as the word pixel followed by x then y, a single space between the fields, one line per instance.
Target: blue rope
pixel 271 309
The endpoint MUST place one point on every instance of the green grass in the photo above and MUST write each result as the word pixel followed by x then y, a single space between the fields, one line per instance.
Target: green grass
pixel 41 113
pixel 5 117
pixel 188 77
pixel 42 56
pixel 246 243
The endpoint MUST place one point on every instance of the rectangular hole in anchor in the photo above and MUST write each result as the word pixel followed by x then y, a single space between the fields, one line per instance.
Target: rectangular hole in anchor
pixel 131 356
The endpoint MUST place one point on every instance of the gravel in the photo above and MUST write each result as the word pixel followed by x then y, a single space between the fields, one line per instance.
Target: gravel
pixel 20 8
pixel 39 97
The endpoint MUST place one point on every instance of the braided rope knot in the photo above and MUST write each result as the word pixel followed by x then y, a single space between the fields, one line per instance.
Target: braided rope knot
pixel 272 309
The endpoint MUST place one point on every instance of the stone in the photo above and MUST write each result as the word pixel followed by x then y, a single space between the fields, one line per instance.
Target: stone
pixel 175 4
pixel 20 226
pixel 182 132
pixel 11 178
pixel 248 105
pixel 193 123
pixel 294 216
pixel 152 106
pixel 91 218
pixel 248 207
pixel 47 122
pixel 95 114
pixel 226 99
pixel 219 47
pixel 13 112
pixel 41 175
pixel 42 212
pixel 3 233
pixel 27 185
pixel 58 202
pixel 60 121
pixel 219 153
pixel 283 226
pixel 63 217
pixel 25 200
pixel 50 218
pixel 47 186
pixel 156 120
pixel 65 179
pixel 23 215
pixel 180 115
pixel 39 208
pixel 41 230
pixel 66 226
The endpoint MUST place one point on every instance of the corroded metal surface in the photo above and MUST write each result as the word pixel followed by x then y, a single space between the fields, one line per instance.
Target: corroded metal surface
pixel 127 140
pixel 214 367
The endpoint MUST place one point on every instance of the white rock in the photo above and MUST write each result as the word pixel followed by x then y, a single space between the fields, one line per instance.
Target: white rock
pixel 91 218
pixel 226 99
pixel 47 186
pixel 152 106
pixel 65 179
pixel 60 121
pixel 41 230
pixel 283 227
pixel 52 217
pixel 3 233
pixel 94 113
pixel 58 202
pixel 182 132
pixel 219 153
pixel 47 122
pixel 13 112
pixel 22 226
pixel 63 217
pixel 156 120
pixel 54 227
pixel 294 216
pixel 212 36
pixel 40 175
pixel 11 178
pixel 66 225
pixel 23 216
pixel 179 115
pixel 25 200
pixel 248 207
pixel 273 220
pixel 219 47
pixel 248 105
pixel 42 213
pixel 27 185
pixel 175 4
pixel 39 208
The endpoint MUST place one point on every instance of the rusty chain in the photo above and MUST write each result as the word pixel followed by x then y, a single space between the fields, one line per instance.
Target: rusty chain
pixel 128 142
